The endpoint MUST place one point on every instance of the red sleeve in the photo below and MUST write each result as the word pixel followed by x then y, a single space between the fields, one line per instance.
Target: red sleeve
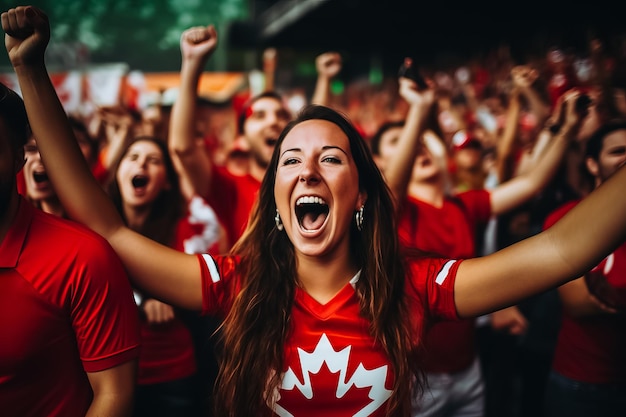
pixel 103 312
pixel 432 282
pixel 218 284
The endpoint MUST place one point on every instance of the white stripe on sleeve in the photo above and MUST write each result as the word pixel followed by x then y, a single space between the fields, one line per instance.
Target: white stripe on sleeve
pixel 215 276
pixel 443 274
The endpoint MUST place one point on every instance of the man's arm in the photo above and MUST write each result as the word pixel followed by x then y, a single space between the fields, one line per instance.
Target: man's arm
pixel 113 391
pixel 191 158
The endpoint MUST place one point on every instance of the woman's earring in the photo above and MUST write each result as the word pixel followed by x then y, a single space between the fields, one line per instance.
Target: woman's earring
pixel 359 218
pixel 279 222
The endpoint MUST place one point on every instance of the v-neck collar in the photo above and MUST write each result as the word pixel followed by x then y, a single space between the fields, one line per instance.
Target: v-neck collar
pixel 324 311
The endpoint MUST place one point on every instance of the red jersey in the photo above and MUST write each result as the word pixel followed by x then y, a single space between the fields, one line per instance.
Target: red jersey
pixel 591 349
pixel 333 366
pixel 199 230
pixel 67 309
pixel 233 197
pixel 447 231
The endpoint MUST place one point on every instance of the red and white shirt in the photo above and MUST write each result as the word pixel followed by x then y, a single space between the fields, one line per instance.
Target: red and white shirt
pixel 333 365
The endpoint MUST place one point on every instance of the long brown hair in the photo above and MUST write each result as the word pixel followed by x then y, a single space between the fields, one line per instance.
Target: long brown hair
pixel 257 327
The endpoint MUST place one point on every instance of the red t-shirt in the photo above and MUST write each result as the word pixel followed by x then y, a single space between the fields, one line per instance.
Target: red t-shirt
pixel 332 364
pixel 167 351
pixel 448 231
pixel 67 308
pixel 591 349
pixel 233 197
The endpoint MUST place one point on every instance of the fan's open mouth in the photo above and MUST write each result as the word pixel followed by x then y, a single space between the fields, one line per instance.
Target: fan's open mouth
pixel 311 212
pixel 40 177
pixel 139 181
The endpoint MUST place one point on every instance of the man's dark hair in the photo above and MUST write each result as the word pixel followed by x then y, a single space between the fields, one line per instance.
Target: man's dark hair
pixel 13 113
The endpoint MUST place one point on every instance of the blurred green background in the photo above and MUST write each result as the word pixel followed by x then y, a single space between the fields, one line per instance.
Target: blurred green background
pixel 142 33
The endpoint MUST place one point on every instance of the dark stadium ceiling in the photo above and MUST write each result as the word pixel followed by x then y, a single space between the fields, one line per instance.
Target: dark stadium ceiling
pixel 422 28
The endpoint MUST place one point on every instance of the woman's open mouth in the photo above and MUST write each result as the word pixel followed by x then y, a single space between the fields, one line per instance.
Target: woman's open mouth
pixel 40 177
pixel 311 212
pixel 139 181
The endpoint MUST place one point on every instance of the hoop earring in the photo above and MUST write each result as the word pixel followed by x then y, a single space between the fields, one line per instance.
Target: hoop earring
pixel 358 216
pixel 279 222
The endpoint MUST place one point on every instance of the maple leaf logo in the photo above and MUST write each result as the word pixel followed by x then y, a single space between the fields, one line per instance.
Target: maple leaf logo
pixel 325 381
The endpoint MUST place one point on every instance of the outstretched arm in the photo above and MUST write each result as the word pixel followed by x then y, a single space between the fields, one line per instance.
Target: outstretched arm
pixel 565 251
pixel 193 161
pixel 166 273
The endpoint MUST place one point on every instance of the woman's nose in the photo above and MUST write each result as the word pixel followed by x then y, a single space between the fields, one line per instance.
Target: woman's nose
pixel 309 173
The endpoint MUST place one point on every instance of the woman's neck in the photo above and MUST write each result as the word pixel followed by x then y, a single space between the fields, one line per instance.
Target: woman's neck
pixel 429 192
pixel 323 278
pixel 52 206
pixel 136 216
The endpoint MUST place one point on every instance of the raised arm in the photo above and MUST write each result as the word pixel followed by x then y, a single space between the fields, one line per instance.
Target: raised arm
pixel 524 78
pixel 117 128
pixel 506 146
pixel 269 68
pixel 529 160
pixel 192 160
pixel 521 188
pixel 166 273
pixel 565 251
pixel 398 170
pixel 328 66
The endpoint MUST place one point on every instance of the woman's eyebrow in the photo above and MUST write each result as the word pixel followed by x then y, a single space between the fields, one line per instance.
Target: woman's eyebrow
pixel 334 147
pixel 291 150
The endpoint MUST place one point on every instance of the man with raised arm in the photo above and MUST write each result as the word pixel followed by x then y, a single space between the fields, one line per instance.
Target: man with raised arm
pixel 260 122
